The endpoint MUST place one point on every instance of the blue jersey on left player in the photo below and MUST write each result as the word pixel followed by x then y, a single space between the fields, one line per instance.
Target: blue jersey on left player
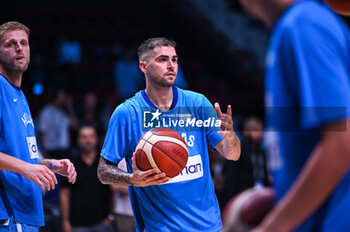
pixel 19 196
pixel 187 202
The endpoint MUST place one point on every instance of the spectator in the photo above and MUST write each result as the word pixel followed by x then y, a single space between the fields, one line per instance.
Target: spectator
pixel 89 113
pixel 55 123
pixel 86 205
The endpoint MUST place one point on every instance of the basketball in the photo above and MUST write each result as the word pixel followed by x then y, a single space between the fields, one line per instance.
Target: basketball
pixel 247 209
pixel 162 148
pixel 340 6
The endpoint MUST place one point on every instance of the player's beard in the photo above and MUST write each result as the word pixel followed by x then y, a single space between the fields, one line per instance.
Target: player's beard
pixel 12 65
pixel 165 81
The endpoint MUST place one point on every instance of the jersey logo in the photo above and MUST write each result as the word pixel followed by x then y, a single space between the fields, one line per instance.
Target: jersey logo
pixel 27 119
pixel 33 148
pixel 15 100
pixel 193 170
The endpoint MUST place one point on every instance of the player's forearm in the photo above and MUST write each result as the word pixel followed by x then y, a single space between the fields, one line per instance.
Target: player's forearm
pixel 327 165
pixel 12 164
pixel 109 173
pixel 45 162
pixel 230 146
pixel 48 163
pixel 233 149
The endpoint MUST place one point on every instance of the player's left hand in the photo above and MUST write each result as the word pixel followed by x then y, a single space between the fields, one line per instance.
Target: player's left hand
pixel 63 167
pixel 230 146
pixel 226 120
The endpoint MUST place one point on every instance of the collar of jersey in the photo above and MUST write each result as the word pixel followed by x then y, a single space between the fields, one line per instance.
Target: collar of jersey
pixel 16 87
pixel 175 92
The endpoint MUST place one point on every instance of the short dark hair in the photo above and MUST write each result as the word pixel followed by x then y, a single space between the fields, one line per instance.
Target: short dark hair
pixel 146 48
pixel 11 26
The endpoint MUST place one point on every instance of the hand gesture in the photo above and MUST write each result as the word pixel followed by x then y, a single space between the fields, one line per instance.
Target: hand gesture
pixel 230 147
pixel 226 119
pixel 64 167
pixel 146 178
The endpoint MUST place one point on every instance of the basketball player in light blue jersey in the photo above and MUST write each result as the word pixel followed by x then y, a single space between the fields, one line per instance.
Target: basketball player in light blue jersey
pixel 186 202
pixel 22 174
pixel 307 90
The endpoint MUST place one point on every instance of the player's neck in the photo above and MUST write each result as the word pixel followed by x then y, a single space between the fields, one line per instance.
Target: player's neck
pixel 14 78
pixel 162 97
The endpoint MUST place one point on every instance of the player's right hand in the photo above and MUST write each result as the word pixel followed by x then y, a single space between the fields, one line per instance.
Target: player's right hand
pixel 146 178
pixel 40 174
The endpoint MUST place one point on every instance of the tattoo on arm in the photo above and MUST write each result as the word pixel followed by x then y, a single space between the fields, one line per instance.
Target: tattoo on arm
pixel 109 173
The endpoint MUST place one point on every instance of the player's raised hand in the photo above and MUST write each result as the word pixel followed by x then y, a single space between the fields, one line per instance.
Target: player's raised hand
pixel 226 119
pixel 146 178
pixel 230 146
pixel 39 174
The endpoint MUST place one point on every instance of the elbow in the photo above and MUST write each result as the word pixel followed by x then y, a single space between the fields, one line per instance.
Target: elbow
pixel 101 175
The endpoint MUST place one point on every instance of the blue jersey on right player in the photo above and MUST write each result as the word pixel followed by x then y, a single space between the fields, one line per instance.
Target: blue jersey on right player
pixel 307 86
pixel 188 202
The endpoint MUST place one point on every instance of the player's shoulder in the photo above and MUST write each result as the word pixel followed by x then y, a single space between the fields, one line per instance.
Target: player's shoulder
pixel 188 94
pixel 302 14
pixel 191 98
pixel 309 19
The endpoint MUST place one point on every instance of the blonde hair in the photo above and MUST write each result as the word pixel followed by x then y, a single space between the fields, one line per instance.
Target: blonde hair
pixel 11 26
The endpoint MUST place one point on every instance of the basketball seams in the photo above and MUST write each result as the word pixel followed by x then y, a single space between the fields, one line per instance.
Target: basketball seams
pixel 155 144
pixel 147 148
pixel 139 160
pixel 158 138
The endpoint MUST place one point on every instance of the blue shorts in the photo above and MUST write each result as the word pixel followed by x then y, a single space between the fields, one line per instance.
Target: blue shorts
pixel 9 225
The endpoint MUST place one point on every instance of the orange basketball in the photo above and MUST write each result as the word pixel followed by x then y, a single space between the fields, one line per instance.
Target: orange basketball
pixel 340 6
pixel 162 148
